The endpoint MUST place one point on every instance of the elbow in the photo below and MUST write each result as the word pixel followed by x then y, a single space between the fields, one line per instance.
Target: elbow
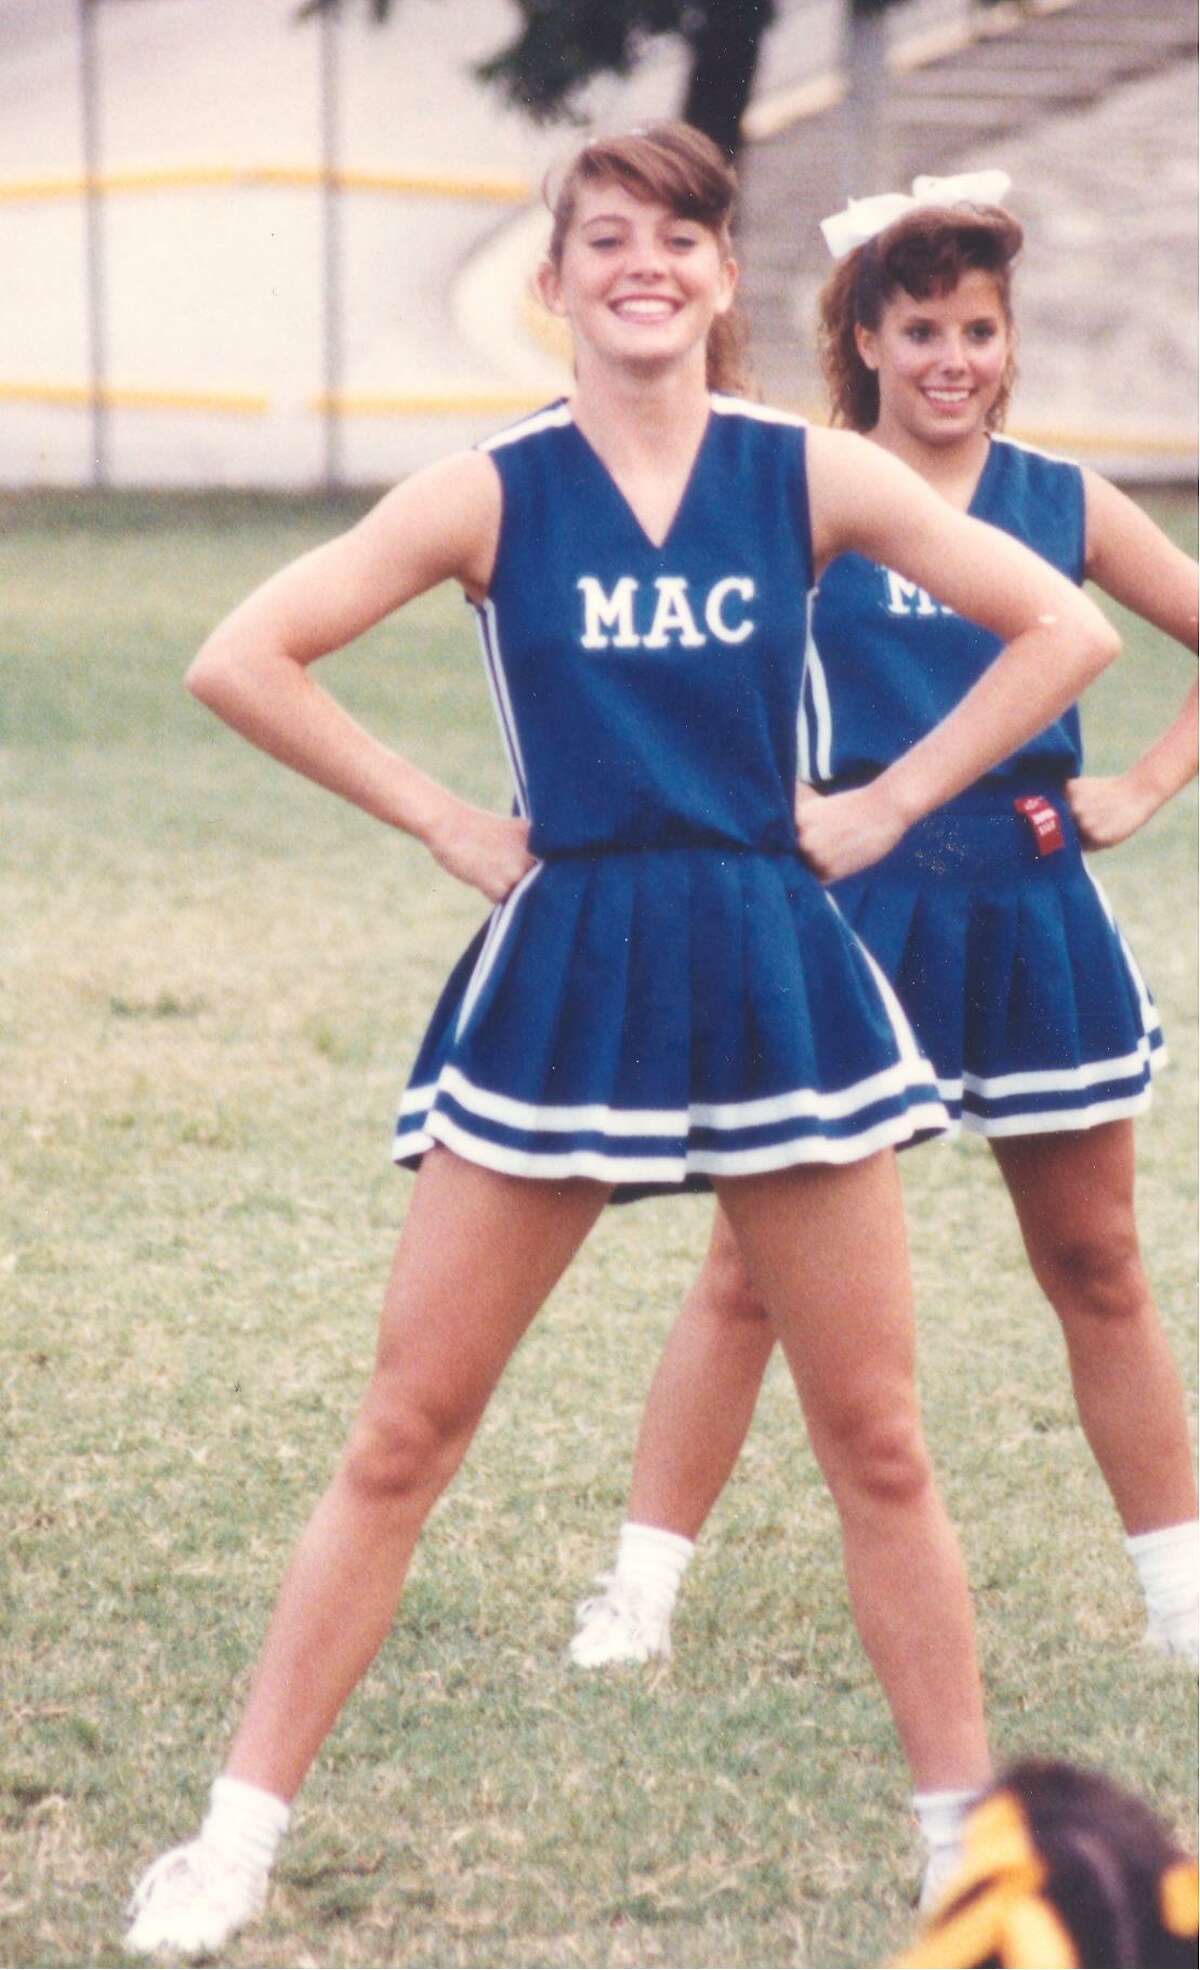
pixel 198 676
pixel 1105 647
pixel 1090 641
pixel 210 674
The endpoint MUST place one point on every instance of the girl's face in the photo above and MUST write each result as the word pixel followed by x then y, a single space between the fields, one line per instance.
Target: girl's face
pixel 940 362
pixel 639 285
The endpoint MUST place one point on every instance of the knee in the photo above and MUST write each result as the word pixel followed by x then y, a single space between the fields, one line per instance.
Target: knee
pixel 401 1452
pixel 875 1456
pixel 728 1293
pixel 1096 1278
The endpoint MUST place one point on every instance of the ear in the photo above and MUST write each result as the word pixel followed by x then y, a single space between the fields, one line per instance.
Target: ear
pixel 867 343
pixel 727 289
pixel 548 288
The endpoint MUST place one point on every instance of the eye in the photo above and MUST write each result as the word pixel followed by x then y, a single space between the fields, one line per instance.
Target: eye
pixel 919 331
pixel 983 331
pixel 683 242
pixel 603 242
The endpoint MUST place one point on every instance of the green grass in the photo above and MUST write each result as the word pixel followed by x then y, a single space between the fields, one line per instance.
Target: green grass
pixel 213 981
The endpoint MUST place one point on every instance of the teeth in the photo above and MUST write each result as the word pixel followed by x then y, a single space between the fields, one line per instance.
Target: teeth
pixel 645 310
pixel 947 396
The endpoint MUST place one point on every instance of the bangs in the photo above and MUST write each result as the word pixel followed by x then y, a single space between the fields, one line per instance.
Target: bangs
pixel 928 252
pixel 659 172
pixel 669 164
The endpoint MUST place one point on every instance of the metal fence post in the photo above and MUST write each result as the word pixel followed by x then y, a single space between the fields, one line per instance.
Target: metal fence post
pixel 331 248
pixel 93 237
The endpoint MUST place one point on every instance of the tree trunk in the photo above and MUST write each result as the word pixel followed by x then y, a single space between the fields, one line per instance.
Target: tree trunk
pixel 864 167
pixel 725 48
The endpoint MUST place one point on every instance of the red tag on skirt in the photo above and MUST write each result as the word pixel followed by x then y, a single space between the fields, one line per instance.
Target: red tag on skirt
pixel 1044 820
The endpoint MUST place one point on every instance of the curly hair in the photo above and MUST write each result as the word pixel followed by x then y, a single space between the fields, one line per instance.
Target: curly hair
pixel 674 165
pixel 925 253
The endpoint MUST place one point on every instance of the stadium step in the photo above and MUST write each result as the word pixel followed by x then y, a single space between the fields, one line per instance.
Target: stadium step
pixel 1025 65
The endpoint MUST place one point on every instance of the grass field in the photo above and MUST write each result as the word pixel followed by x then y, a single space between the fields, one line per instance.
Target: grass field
pixel 213 980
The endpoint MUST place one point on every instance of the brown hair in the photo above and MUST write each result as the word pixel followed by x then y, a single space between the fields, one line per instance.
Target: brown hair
pixel 674 165
pixel 1106 1854
pixel 1060 1855
pixel 926 252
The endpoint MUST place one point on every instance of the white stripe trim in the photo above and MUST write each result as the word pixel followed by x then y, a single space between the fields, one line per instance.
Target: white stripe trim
pixel 809 1149
pixel 731 1116
pixel 497 931
pixel 822 710
pixel 1035 451
pixel 493 664
pixel 803 749
pixel 560 1119
pixel 1065 1080
pixel 821 1149
pixel 1150 1018
pixel 902 1032
pixel 811 1102
pixel 605 1168
pixel 1050 1121
pixel 541 420
pixel 762 413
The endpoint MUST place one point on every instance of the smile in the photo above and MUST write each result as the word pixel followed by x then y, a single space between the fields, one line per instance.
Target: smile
pixel 645 308
pixel 948 399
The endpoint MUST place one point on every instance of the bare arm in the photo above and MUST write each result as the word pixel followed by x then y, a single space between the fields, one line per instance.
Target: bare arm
pixel 1055 641
pixel 1134 562
pixel 253 670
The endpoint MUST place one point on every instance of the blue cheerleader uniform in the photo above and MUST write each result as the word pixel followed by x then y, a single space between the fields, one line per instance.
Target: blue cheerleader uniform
pixel 668 995
pixel 998 939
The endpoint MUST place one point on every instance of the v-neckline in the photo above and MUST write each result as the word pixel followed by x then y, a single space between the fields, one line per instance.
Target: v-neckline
pixel 606 472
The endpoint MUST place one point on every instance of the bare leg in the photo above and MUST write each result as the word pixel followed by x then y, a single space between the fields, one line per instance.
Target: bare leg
pixel 703 1394
pixel 841 1306
pixel 1073 1194
pixel 450 1322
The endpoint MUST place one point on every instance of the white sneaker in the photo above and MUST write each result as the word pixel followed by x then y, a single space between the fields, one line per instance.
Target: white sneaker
pixel 1178 1637
pixel 191 1901
pixel 616 1625
pixel 940 1869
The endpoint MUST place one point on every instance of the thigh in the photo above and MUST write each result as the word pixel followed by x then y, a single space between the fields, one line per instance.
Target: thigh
pixel 1072 1189
pixel 478 1254
pixel 724 1285
pixel 826 1247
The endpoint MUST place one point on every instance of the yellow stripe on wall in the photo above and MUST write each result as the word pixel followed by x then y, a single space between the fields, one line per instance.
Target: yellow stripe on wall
pixel 488 403
pixel 121 396
pixel 434 404
pixel 206 177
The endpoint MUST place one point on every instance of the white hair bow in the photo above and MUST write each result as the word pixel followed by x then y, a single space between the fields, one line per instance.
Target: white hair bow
pixel 864 217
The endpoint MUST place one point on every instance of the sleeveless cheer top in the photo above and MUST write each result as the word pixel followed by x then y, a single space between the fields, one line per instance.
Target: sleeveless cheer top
pixel 646 693
pixel 669 994
pixel 886 662
pixel 1000 944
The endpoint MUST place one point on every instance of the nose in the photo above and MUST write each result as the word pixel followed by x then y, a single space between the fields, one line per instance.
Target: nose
pixel 952 354
pixel 645 260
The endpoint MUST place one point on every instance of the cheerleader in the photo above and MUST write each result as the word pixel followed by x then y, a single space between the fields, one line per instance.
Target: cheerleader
pixel 985 918
pixel 663 995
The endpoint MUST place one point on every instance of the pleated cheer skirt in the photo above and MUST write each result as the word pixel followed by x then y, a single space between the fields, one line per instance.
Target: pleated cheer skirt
pixel 656 1018
pixel 1011 967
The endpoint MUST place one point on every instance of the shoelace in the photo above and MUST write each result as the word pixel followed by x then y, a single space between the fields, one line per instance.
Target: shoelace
pixel 614 1601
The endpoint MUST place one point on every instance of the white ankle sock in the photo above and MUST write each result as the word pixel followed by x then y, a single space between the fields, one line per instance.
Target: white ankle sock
pixel 244 1824
pixel 1168 1566
pixel 941 1816
pixel 654 1562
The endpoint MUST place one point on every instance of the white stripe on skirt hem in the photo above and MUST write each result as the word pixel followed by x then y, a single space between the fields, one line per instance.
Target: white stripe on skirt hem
pixel 597 1117
pixel 607 1168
